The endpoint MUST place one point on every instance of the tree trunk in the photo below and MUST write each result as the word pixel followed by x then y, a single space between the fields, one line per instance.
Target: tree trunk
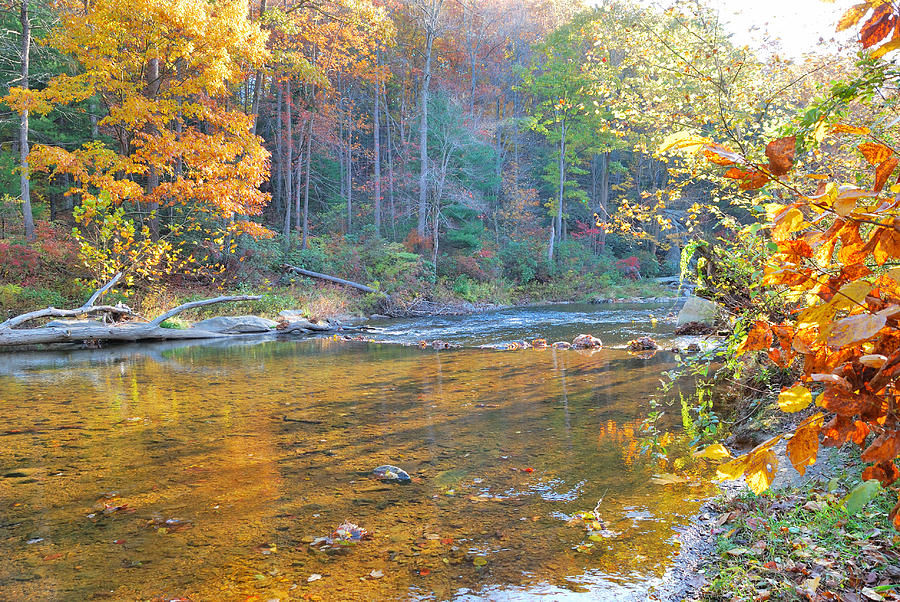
pixel 376 134
pixel 258 81
pixel 390 150
pixel 24 180
pixel 350 173
pixel 153 174
pixel 275 176
pixel 309 135
pixel 423 133
pixel 288 161
pixel 603 200
pixel 562 186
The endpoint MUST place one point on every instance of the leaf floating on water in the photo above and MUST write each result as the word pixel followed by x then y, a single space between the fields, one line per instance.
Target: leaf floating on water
pixel 479 561
pixel 313 577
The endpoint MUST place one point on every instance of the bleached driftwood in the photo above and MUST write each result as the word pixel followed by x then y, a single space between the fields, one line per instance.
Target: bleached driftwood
pixel 335 279
pixel 127 331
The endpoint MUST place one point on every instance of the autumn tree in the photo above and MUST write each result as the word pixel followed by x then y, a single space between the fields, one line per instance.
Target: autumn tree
pixel 828 297
pixel 180 157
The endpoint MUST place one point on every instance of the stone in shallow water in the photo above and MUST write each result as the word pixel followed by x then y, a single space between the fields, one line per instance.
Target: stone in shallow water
pixel 236 324
pixel 387 472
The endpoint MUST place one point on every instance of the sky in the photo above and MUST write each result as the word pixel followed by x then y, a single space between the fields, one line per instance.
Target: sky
pixel 798 23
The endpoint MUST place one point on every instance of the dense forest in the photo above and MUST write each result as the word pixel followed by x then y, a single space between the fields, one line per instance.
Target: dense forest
pixel 472 149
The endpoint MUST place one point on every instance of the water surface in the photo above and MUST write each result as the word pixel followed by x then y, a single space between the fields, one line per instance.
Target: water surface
pixel 171 471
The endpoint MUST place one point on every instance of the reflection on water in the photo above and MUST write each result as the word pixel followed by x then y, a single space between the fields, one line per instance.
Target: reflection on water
pixel 204 472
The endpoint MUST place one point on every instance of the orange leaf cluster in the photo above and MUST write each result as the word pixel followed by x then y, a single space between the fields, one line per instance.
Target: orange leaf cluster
pixel 834 252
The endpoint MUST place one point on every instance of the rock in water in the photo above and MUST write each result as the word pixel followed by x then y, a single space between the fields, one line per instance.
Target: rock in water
pixel 699 310
pixel 586 341
pixel 643 344
pixel 236 324
pixel 392 474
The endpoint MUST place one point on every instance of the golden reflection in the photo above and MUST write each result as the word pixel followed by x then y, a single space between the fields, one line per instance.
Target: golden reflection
pixel 205 473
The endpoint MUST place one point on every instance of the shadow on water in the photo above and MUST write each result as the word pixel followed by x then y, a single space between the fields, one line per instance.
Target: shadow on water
pixel 251 449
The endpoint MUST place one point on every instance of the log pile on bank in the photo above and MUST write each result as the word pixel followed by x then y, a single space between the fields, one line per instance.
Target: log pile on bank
pixel 117 323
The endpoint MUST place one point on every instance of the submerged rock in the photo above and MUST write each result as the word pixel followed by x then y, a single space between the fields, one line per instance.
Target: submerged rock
pixel 586 341
pixel 391 474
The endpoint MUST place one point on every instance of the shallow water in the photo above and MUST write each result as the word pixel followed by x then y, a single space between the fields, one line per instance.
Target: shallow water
pixel 202 471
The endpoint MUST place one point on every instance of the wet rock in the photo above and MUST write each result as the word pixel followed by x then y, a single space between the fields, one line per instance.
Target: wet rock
pixel 391 474
pixel 293 321
pixel 601 300
pixel 236 324
pixel 692 348
pixel 643 344
pixel 379 317
pixel 695 328
pixel 539 343
pixel 586 341
pixel 561 345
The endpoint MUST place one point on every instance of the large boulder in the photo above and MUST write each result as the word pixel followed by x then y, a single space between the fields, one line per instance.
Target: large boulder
pixel 236 324
pixel 698 310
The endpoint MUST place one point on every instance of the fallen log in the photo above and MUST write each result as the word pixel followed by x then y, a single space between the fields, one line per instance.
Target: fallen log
pixel 85 310
pixel 326 277
pixel 127 331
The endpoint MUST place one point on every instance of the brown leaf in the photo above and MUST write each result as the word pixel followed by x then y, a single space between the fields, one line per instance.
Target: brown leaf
pixel 885 447
pixel 886 472
pixel 759 338
pixel 883 172
pixel 853 16
pixel 803 447
pixel 875 153
pixel 879 25
pixel 844 403
pixel 895 516
pixel 780 153
pixel 855 329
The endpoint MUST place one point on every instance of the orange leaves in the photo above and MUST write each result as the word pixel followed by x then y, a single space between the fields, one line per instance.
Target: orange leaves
pixel 884 171
pixel 759 338
pixel 879 25
pixel 781 155
pixel 751 179
pixel 803 447
pixel 875 153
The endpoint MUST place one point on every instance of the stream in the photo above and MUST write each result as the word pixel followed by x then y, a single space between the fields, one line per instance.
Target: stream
pixel 205 471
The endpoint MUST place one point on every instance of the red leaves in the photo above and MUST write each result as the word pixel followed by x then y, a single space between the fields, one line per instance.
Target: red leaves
pixel 781 155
